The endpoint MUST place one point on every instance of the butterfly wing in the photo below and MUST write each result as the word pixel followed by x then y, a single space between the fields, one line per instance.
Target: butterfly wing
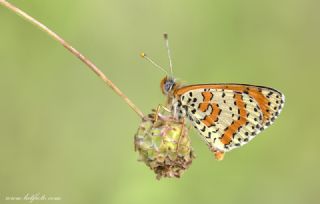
pixel 229 115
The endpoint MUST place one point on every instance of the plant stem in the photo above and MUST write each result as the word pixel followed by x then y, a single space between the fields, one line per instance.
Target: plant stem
pixel 75 52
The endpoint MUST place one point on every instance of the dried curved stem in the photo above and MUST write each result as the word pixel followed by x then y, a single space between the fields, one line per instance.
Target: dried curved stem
pixel 75 52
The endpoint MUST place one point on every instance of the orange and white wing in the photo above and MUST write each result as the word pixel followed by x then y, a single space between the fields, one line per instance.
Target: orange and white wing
pixel 229 115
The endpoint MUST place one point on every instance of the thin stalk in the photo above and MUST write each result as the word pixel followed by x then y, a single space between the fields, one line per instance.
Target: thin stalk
pixel 75 52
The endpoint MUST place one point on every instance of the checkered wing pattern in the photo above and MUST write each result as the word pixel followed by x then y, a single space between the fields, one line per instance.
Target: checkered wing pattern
pixel 228 116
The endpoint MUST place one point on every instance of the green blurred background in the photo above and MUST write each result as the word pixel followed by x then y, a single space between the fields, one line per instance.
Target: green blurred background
pixel 64 133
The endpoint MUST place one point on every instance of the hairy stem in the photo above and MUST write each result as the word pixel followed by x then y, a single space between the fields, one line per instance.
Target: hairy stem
pixel 75 52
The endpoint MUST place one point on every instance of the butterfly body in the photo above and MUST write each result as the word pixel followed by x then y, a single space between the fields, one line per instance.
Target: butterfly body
pixel 226 116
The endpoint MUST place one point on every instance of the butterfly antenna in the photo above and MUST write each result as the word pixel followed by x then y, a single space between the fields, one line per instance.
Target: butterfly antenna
pixel 165 35
pixel 143 55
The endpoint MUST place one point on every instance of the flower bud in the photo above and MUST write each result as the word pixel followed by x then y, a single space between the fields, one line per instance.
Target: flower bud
pixel 163 144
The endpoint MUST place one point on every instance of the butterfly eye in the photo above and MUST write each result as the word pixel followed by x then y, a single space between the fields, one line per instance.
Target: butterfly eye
pixel 168 86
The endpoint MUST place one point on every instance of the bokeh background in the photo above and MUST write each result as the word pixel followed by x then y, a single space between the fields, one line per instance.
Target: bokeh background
pixel 64 133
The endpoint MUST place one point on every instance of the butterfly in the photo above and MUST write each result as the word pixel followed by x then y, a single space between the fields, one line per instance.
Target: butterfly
pixel 226 115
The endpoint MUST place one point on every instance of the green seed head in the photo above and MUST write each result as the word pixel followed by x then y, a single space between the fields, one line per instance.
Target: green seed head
pixel 164 146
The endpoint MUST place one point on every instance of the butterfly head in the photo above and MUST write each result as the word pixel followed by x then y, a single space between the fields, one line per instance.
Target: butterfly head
pixel 167 85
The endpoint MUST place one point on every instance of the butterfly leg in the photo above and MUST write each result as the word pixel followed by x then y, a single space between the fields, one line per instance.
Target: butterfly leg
pixel 181 133
pixel 158 110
